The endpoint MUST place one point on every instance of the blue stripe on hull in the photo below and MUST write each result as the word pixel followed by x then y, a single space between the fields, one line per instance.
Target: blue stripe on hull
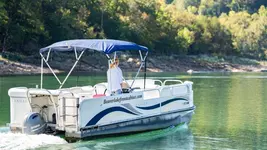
pixel 162 104
pixel 149 107
pixel 103 113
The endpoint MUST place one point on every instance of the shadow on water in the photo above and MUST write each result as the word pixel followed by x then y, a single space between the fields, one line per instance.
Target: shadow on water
pixel 173 137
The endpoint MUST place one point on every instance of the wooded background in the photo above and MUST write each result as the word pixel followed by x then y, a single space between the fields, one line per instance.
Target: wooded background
pixel 186 27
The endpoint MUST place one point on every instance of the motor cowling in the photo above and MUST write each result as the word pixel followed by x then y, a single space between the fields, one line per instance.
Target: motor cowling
pixel 33 124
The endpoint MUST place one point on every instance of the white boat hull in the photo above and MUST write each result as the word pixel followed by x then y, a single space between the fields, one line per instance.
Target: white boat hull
pixel 137 125
pixel 83 112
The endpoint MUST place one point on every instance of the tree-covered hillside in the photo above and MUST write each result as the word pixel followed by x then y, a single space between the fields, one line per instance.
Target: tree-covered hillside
pixel 217 27
pixel 217 7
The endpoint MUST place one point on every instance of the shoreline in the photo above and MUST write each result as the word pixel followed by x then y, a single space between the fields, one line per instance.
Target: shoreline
pixel 174 63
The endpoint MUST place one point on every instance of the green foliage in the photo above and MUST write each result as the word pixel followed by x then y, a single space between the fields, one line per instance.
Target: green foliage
pixel 186 37
pixel 3 14
pixel 216 27
pixel 248 31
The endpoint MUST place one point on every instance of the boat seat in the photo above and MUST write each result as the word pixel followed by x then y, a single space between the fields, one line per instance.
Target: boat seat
pixel 98 95
pixel 82 89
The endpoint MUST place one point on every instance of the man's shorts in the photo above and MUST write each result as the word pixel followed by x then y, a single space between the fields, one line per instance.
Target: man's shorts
pixel 116 92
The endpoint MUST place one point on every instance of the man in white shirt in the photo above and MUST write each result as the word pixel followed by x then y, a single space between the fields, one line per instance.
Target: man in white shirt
pixel 115 78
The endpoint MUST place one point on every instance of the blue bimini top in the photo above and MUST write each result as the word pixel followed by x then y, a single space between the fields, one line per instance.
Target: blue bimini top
pixel 102 45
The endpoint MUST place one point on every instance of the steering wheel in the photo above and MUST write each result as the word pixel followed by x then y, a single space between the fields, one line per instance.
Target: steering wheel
pixel 126 90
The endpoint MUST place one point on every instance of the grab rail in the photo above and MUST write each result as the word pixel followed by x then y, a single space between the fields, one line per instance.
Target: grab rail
pixel 164 83
pixel 173 88
pixel 158 81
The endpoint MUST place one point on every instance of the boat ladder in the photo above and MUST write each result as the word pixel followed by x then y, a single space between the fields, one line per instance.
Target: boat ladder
pixel 69 113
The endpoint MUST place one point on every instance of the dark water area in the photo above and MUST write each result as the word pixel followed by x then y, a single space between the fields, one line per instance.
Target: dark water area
pixel 230 114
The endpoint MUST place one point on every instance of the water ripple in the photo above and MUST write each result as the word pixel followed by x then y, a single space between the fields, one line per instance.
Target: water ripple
pixel 18 141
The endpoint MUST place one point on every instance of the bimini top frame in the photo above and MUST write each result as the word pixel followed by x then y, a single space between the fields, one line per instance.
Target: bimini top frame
pixel 79 46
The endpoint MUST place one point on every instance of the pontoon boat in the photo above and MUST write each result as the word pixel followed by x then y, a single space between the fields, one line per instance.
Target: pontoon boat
pixel 89 111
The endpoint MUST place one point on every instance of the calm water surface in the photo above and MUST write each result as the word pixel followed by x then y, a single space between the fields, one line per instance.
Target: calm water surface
pixel 231 114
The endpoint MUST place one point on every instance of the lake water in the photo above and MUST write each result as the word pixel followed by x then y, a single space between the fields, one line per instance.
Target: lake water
pixel 230 114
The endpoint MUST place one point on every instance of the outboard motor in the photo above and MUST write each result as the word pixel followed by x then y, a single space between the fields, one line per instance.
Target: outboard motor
pixel 33 124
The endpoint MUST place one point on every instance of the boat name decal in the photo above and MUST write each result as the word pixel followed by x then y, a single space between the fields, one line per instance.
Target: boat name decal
pixel 119 99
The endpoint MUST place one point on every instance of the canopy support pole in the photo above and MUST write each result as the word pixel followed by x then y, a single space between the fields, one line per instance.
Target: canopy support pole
pixel 77 60
pixel 107 56
pixel 75 53
pixel 50 68
pixel 142 64
pixel 46 61
pixel 42 67
pixel 145 71
pixel 141 56
pixel 145 76
pixel 48 54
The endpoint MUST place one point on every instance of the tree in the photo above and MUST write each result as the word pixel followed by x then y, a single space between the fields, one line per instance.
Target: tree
pixel 3 26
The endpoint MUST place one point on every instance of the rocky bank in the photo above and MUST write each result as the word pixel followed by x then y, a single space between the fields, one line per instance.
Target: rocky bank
pixel 173 63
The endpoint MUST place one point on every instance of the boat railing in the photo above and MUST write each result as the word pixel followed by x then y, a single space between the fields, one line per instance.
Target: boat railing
pixel 177 81
pixel 165 90
pixel 173 90
pixel 151 93
pixel 158 81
